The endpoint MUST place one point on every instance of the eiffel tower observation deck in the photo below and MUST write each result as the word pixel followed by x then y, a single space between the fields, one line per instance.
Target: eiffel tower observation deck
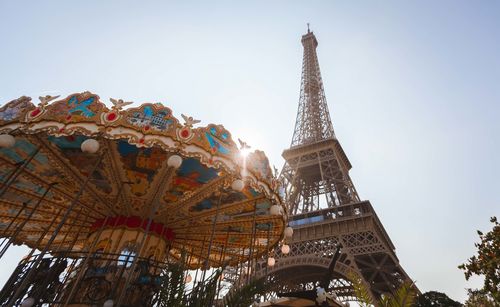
pixel 324 208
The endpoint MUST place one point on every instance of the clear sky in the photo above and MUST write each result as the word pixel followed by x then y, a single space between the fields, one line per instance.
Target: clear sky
pixel 413 89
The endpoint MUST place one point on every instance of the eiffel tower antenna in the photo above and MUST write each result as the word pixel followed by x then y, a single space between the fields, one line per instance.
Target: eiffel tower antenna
pixel 316 168
pixel 313 122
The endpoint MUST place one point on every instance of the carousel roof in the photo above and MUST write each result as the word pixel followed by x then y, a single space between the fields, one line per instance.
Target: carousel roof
pixel 133 178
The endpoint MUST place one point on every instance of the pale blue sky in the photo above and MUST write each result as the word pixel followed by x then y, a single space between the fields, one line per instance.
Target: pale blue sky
pixel 413 89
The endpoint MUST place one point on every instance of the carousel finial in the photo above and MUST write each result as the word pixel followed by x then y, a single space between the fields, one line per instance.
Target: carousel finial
pixel 44 100
pixel 190 121
pixel 118 104
pixel 243 145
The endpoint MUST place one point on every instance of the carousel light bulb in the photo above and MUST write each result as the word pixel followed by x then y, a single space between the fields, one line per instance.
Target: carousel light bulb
pixel 7 141
pixel 188 278
pixel 238 185
pixel 108 303
pixel 285 249
pixel 288 232
pixel 90 146
pixel 174 161
pixel 271 261
pixel 28 302
pixel 275 210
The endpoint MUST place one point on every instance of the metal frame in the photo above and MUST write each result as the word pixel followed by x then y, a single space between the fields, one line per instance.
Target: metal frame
pixel 324 207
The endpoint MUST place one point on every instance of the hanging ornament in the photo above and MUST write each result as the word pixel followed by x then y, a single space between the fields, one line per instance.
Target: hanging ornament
pixel 90 146
pixel 275 210
pixel 28 302
pixel 7 141
pixel 174 161
pixel 108 303
pixel 271 261
pixel 238 185
pixel 285 249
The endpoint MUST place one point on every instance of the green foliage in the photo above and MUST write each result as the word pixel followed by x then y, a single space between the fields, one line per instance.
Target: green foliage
pixel 244 296
pixel 487 261
pixel 203 293
pixel 172 287
pixel 435 299
pixel 404 296
pixel 173 292
pixel 479 299
pixel 360 290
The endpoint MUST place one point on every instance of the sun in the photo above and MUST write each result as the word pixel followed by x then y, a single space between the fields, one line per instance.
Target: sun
pixel 245 151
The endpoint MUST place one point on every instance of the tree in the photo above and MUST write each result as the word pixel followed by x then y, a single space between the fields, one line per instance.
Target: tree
pixel 244 295
pixel 487 261
pixel 404 296
pixel 435 299
pixel 479 299
pixel 172 287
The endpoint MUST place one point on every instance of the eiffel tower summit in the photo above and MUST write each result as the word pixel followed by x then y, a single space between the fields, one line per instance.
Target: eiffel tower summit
pixel 325 210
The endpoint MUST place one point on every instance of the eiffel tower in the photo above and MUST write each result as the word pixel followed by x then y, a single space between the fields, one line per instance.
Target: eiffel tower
pixel 324 208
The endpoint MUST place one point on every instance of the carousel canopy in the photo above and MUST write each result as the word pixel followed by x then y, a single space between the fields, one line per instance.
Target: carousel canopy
pixel 134 164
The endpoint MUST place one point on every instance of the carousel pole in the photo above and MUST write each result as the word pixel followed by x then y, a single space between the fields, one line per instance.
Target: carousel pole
pixel 223 251
pixel 13 172
pixel 184 265
pixel 25 281
pixel 70 247
pixel 212 234
pixel 239 267
pixel 61 223
pixel 250 262
pixel 73 242
pixel 201 253
pixel 267 247
pixel 13 176
pixel 267 258
pixel 6 230
pixel 59 258
pixel 21 226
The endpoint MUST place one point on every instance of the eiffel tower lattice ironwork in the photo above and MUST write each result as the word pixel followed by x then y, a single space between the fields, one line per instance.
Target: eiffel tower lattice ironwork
pixel 324 207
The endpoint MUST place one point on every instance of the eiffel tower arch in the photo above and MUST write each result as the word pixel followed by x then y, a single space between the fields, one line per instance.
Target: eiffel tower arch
pixel 324 207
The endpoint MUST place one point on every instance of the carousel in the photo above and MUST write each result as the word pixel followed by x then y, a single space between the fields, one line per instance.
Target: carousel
pixel 108 199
